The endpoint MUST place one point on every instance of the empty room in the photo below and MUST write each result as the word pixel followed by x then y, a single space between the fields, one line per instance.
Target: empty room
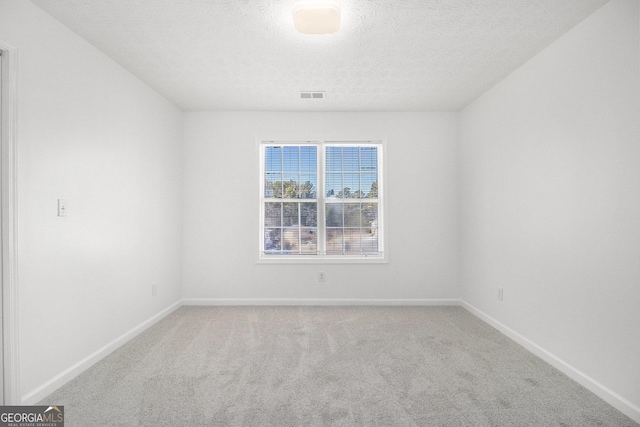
pixel 321 212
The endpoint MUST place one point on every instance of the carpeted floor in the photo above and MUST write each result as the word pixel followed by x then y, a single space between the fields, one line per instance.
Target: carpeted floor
pixel 329 366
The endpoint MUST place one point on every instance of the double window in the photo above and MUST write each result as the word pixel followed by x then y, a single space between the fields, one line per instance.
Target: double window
pixel 321 200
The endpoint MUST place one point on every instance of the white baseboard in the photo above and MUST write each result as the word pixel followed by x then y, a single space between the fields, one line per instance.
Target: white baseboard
pixel 318 301
pixel 609 396
pixel 67 375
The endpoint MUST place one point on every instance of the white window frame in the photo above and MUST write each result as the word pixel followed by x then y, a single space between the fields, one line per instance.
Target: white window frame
pixel 321 257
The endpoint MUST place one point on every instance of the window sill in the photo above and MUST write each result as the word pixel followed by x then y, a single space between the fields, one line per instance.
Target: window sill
pixel 322 260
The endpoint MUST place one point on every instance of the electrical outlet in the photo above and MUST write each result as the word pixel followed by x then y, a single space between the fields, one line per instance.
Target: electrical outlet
pixel 154 289
pixel 500 294
pixel 321 277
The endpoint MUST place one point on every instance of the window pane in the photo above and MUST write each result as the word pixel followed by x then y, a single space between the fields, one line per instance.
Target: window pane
pixel 273 159
pixel 272 239
pixel 308 159
pixel 368 159
pixel 291 159
pixel 334 241
pixel 369 182
pixel 309 241
pixel 273 185
pixel 291 240
pixel 333 159
pixel 333 212
pixel 351 185
pixel 309 214
pixel 352 241
pixel 333 185
pixel 308 186
pixel 369 243
pixel 352 214
pixel 290 214
pixel 350 159
pixel 273 214
pixel 290 186
pixel 370 216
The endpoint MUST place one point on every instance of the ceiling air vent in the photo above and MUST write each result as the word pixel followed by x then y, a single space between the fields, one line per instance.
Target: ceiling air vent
pixel 312 95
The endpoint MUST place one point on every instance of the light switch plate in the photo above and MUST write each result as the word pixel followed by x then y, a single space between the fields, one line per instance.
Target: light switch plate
pixel 62 207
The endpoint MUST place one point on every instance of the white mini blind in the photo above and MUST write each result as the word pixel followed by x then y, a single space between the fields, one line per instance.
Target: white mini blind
pixel 320 200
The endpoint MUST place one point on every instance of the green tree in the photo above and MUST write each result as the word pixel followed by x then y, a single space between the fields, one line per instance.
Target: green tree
pixel 373 193
pixel 307 191
pixel 290 190
pixel 345 194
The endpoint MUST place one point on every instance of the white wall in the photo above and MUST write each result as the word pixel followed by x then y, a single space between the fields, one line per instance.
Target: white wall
pixel 90 132
pixel 221 208
pixel 550 200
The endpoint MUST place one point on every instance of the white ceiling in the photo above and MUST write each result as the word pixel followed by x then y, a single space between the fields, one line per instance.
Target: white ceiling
pixel 390 55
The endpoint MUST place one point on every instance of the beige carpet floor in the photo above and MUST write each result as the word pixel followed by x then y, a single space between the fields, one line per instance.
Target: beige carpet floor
pixel 327 366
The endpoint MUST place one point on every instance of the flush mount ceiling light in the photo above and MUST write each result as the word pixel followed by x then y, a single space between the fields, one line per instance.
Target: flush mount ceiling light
pixel 316 16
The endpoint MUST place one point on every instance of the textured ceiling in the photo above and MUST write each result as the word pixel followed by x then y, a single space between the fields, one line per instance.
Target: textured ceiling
pixel 390 55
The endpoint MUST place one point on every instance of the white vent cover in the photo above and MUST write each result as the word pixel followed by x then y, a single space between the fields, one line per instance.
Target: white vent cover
pixel 312 95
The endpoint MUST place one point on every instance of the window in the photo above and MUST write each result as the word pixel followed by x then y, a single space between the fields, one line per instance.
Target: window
pixel 321 200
